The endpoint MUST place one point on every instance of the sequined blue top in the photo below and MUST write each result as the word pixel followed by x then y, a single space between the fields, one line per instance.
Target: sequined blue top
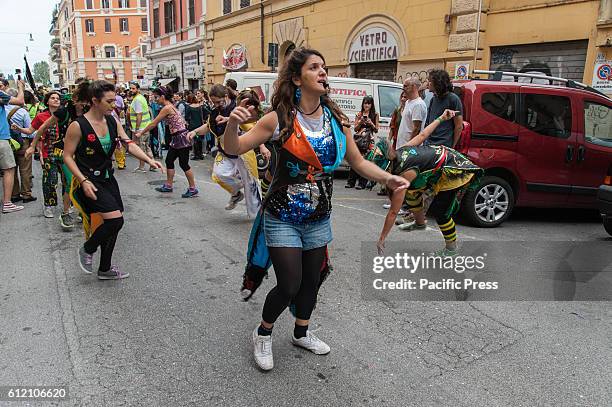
pixel 300 201
pixel 322 140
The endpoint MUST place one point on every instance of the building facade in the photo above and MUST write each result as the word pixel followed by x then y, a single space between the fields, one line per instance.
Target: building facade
pixel 176 54
pixel 394 40
pixel 55 60
pixel 102 39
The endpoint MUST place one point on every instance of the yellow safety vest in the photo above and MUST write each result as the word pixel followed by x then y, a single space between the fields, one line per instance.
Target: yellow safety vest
pixel 146 116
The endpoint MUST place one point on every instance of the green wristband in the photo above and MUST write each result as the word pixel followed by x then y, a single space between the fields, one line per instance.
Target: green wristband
pixel 440 119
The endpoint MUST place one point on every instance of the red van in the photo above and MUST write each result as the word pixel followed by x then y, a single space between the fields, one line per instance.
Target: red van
pixel 545 146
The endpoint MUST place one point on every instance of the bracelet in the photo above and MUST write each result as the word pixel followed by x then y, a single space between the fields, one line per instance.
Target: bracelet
pixel 440 119
pixel 85 179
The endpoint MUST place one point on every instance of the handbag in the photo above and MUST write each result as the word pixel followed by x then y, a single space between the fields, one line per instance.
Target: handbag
pixel 16 137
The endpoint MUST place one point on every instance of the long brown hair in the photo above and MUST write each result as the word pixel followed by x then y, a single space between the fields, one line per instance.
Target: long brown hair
pixel 283 98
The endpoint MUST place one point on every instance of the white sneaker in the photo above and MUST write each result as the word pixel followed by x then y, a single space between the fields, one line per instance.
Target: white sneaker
pixel 312 343
pixel 386 206
pixel 262 350
pixel 9 207
pixel 48 212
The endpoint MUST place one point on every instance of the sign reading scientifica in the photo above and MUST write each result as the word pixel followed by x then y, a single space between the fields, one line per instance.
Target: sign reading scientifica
pixel 373 45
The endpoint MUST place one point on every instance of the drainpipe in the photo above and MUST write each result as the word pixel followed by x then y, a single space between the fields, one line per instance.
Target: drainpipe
pixel 182 71
pixel 261 27
pixel 181 17
pixel 477 33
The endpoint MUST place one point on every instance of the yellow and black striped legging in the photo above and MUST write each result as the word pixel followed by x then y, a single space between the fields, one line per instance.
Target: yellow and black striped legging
pixel 440 209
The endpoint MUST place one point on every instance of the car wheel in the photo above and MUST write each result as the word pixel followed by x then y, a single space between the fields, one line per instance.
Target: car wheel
pixel 607 222
pixel 490 204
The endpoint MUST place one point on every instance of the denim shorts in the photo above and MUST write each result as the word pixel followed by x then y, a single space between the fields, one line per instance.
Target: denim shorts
pixel 308 236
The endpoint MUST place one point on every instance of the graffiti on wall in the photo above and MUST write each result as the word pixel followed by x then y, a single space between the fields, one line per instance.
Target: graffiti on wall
pixel 564 60
pixel 399 77
pixel 420 75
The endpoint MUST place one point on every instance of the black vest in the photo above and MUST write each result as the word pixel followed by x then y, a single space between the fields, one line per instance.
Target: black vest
pixel 218 129
pixel 290 170
pixel 90 157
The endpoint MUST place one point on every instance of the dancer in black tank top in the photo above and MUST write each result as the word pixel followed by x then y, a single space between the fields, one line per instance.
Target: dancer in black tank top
pixel 88 148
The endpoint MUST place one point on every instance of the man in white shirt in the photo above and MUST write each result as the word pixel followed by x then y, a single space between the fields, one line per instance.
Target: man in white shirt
pixel 414 114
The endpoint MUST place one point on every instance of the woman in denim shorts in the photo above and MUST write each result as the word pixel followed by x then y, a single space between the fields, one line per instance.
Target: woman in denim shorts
pixel 309 138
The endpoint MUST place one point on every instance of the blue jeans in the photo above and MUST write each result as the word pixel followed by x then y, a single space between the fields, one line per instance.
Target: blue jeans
pixel 308 236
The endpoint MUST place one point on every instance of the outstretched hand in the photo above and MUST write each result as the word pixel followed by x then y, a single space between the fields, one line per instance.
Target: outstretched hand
pixel 221 119
pixel 380 247
pixel 157 164
pixel 396 183
pixel 243 113
pixel 448 114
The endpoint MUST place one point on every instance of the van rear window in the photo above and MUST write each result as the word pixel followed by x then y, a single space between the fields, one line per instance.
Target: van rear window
pixel 389 100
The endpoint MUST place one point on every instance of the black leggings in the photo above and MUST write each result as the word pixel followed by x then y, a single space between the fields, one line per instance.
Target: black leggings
pixel 198 147
pixel 104 237
pixel 297 279
pixel 441 205
pixel 183 156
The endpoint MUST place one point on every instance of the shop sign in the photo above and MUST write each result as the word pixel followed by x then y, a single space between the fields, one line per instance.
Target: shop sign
pixel 602 75
pixel 190 64
pixel 235 58
pixel 373 45
pixel 349 96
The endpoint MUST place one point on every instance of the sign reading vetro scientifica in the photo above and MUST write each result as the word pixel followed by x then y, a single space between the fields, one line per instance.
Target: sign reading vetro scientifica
pixel 373 45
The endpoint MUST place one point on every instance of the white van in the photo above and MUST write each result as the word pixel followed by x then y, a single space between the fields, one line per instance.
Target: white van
pixel 346 92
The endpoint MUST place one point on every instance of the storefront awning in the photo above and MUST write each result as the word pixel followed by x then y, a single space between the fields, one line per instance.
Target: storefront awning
pixel 164 82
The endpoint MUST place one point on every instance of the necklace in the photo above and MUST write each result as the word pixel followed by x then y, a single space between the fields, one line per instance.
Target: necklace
pixel 308 114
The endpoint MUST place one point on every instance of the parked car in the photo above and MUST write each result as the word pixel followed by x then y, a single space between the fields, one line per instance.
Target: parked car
pixel 545 146
pixel 604 199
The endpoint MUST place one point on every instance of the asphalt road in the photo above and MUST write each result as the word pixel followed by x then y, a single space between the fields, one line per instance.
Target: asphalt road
pixel 176 333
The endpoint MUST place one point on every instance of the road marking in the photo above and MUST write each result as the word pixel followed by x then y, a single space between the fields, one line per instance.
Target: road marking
pixel 341 198
pixel 461 235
